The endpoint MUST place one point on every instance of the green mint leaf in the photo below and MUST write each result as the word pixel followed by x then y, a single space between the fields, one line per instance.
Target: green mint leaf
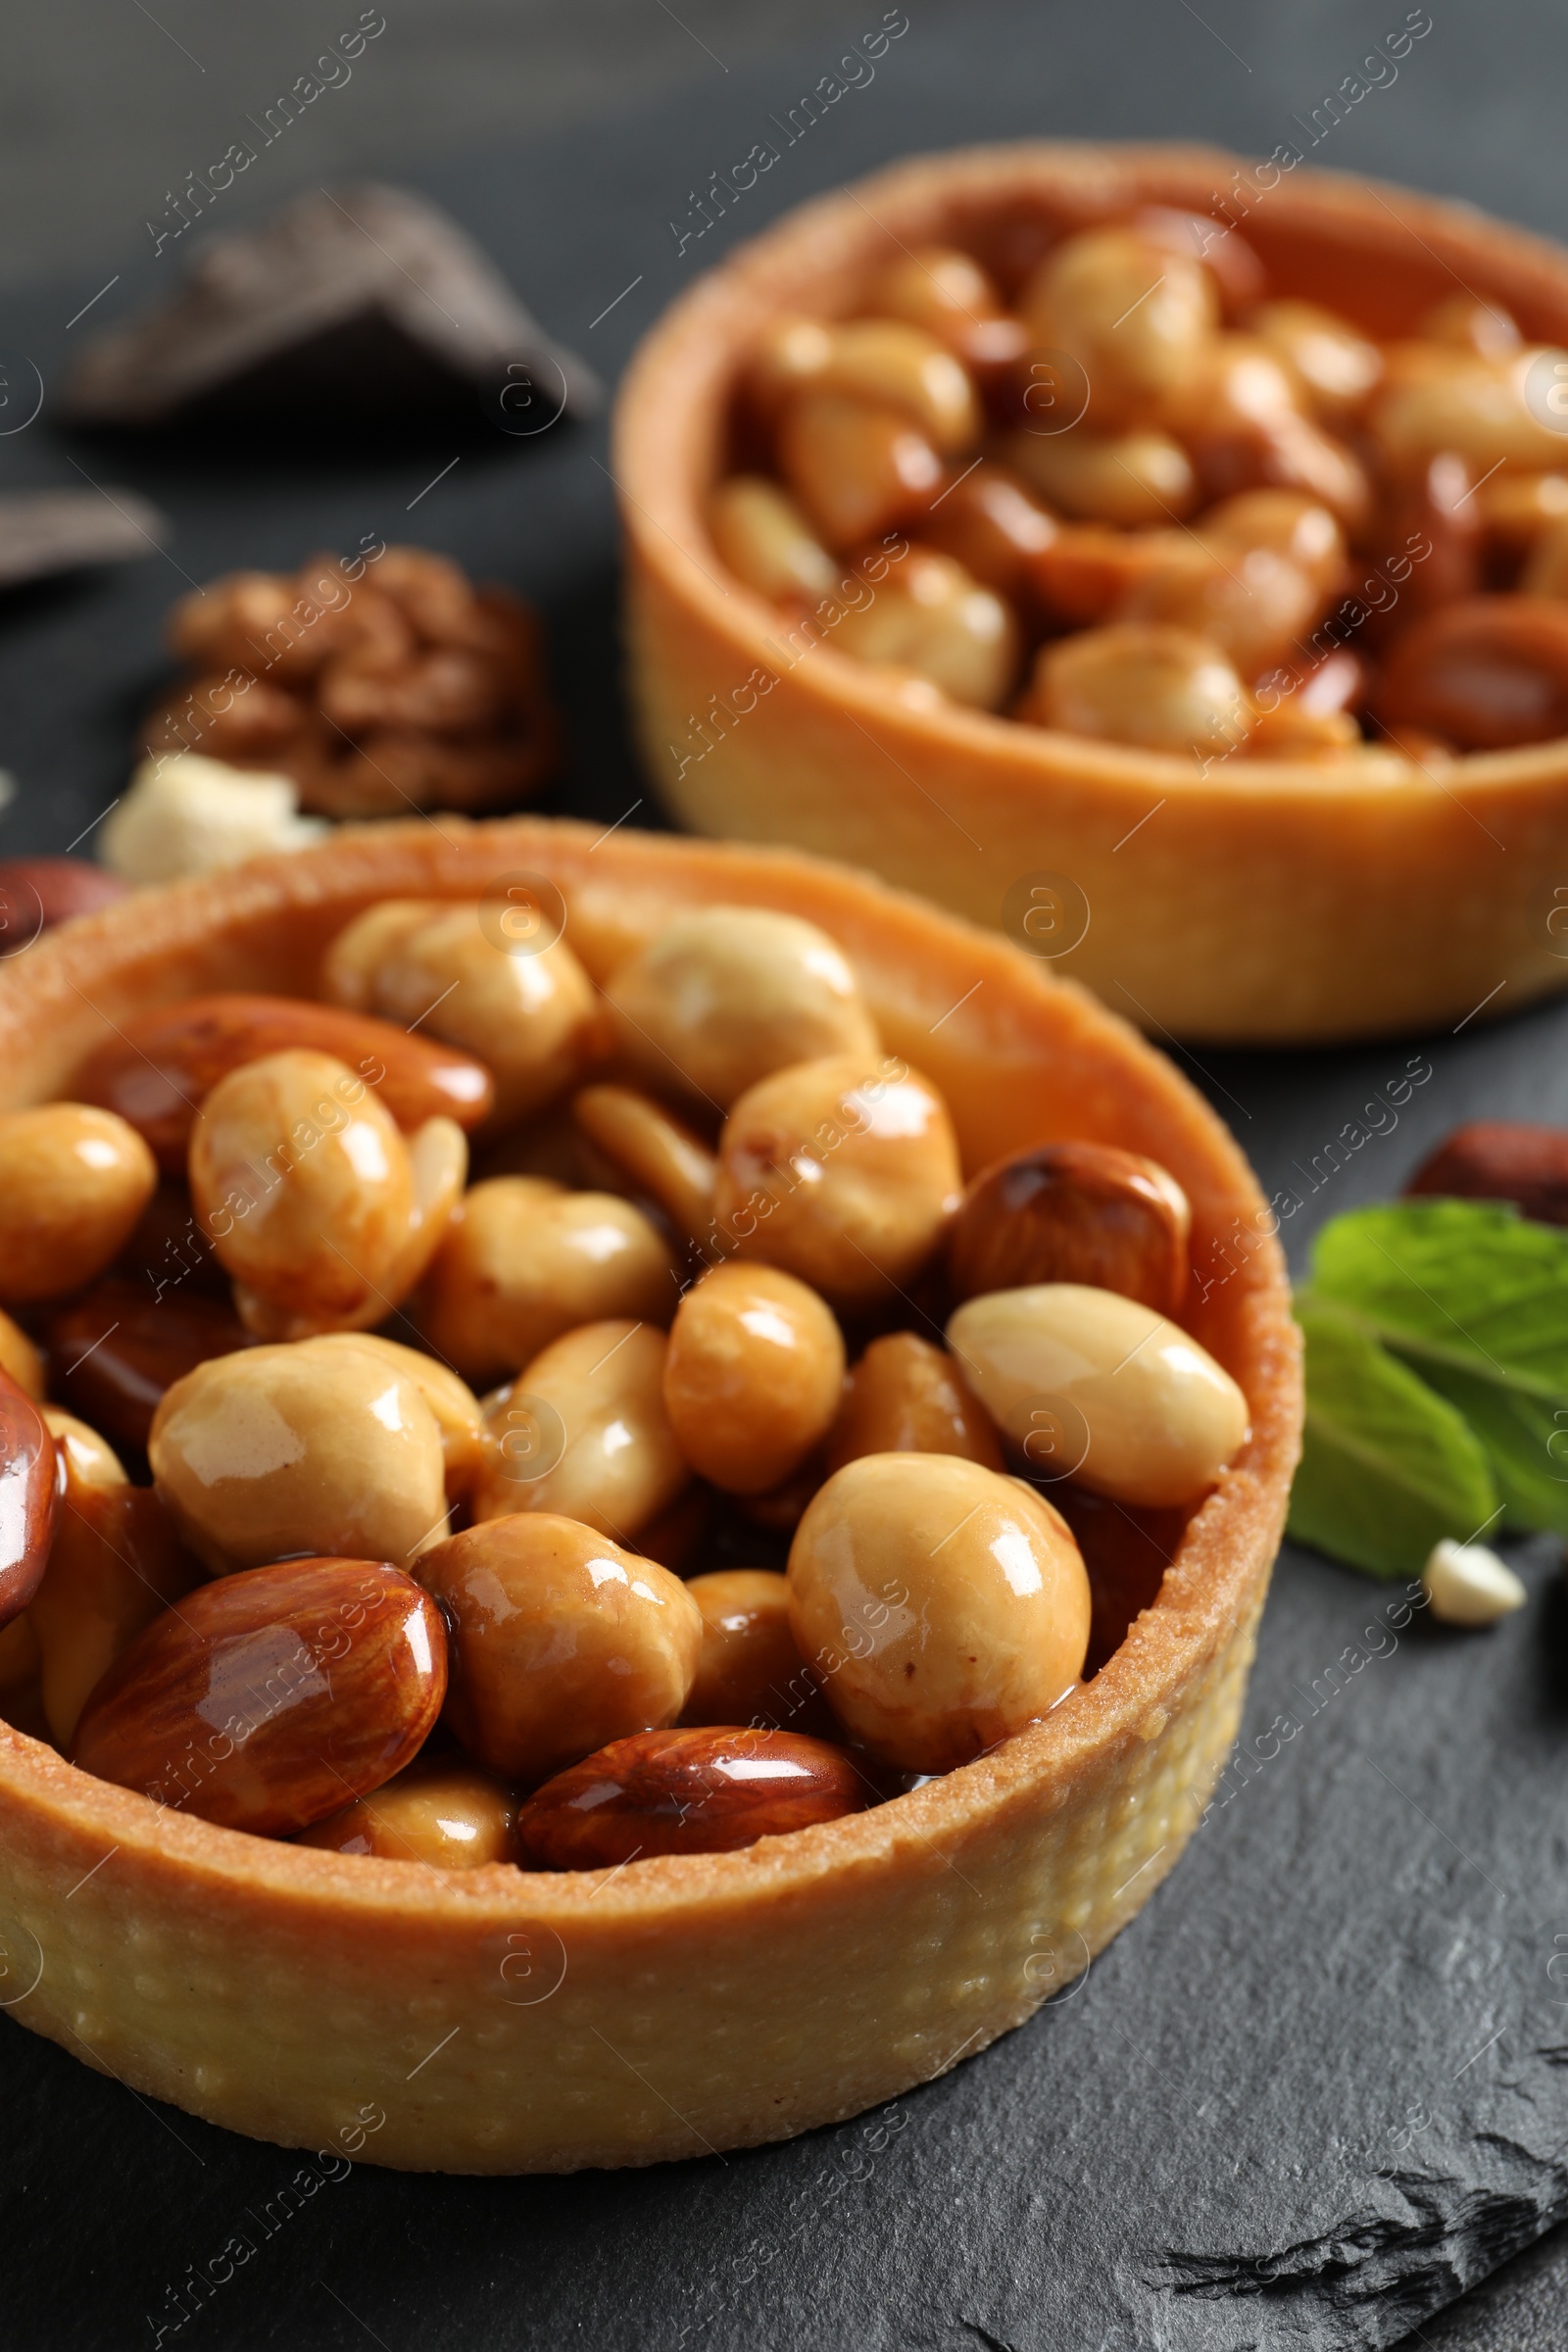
pixel 1474 1297
pixel 1388 1467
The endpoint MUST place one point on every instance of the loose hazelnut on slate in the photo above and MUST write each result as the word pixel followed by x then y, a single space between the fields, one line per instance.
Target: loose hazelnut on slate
pixel 1501 1159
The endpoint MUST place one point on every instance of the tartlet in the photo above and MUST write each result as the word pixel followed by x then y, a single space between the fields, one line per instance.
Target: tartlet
pixel 1265 900
pixel 496 2020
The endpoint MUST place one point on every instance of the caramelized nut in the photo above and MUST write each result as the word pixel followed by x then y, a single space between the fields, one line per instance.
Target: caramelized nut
pixel 19 1359
pixel 1476 408
pixel 115 1564
pixel 949 295
pixel 907 1397
pixel 693 1791
pixel 766 541
pixel 459 1418
pixel 561 1641
pixel 315 1205
pixel 1141 683
pixel 933 618
pixel 841 1172
pixel 855 467
pixel 162 1064
pixel 117 1347
pixel 1486 672
pixel 1135 316
pixel 29 1499
pixel 1472 325
pixel 531 1018
pixel 311 1447
pixel 753 1376
pixel 945 1606
pixel 1137 479
pixel 525 1260
pixel 897 366
pixel 1337 369
pixel 1073 1213
pixel 787 358
pixel 613 1463
pixel 1288 523
pixel 74 1180
pixel 446 1815
pixel 726 996
pixel 1254 606
pixel 992 523
pixel 750 1670
pixel 261 1699
pixel 652 1152
pixel 1501 1159
pixel 1160 1419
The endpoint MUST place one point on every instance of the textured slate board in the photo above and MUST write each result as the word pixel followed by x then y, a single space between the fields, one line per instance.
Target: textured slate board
pixel 1321 2084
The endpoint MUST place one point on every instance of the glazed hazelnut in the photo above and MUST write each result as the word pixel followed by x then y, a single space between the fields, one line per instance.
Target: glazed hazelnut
pixel 315 1205
pixel 561 1641
pixel 749 1669
pixel 766 541
pixel 1141 683
pixel 303 1448
pixel 905 1395
pixel 1288 523
pixel 751 1377
pixel 1250 604
pixel 525 1260
pixel 652 1151
pixel 945 1606
pixel 899 366
pixel 695 1791
pixel 115 1564
pixel 1336 367
pixel 932 617
pixel 1136 479
pixel 73 1183
pixel 788 356
pixel 446 1815
pixel 840 1172
pixel 726 996
pixel 843 1172
pixel 856 467
pixel 949 295
pixel 1073 1213
pixel 527 1011
pixel 1135 316
pixel 459 1418
pixel 583 1431
pixel 993 525
pixel 260 1700
pixel 1475 407
pixel 1157 1418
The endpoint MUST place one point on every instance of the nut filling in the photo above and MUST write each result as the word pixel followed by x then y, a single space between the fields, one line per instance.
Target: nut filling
pixel 734 1543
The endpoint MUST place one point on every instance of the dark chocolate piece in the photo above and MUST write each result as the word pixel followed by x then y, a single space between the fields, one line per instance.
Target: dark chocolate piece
pixel 362 298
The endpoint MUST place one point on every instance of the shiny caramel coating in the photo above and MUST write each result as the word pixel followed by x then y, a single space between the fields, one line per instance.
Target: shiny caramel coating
pixel 856 467
pixel 752 1375
pixel 583 1433
pixel 945 1606
pixel 1073 1213
pixel 115 1350
pixel 906 1396
pixel 750 1670
pixel 29 1496
pixel 766 540
pixel 445 1815
pixel 688 1792
pixel 1136 319
pixel 652 1151
pixel 933 618
pixel 561 1641
pixel 74 1180
pixel 1141 683
pixel 19 1359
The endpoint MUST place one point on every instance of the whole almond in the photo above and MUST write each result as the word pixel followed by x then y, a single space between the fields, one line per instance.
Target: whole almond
pixel 1501 1159
pixel 116 1348
pixel 266 1700
pixel 1073 1213
pixel 161 1065
pixel 28 1497
pixel 698 1791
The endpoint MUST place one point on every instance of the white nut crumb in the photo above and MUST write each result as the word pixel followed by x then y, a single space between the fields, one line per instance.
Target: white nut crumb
pixel 1466 1583
pixel 186 814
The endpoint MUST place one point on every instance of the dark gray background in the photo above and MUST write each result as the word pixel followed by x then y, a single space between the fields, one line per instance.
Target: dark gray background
pixel 1321 2085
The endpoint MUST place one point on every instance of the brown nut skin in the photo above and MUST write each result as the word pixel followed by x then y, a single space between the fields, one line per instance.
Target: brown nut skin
pixel 905 1395
pixel 750 1670
pixel 446 1815
pixel 560 1642
pixel 258 1699
pixel 1073 1213
pixel 524 1260
pixel 753 1376
pixel 29 1498
pixel 115 1565
pixel 945 1606
pixel 725 995
pixel 583 1433
pixel 1501 1159
pixel 299 1448
pixel 74 1180
pixel 115 1351
pixel 843 1172
pixel 163 1063
pixel 529 1013
pixel 707 1791
pixel 1487 673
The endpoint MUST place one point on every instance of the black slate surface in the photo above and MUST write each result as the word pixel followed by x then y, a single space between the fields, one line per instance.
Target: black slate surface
pixel 1321 2084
